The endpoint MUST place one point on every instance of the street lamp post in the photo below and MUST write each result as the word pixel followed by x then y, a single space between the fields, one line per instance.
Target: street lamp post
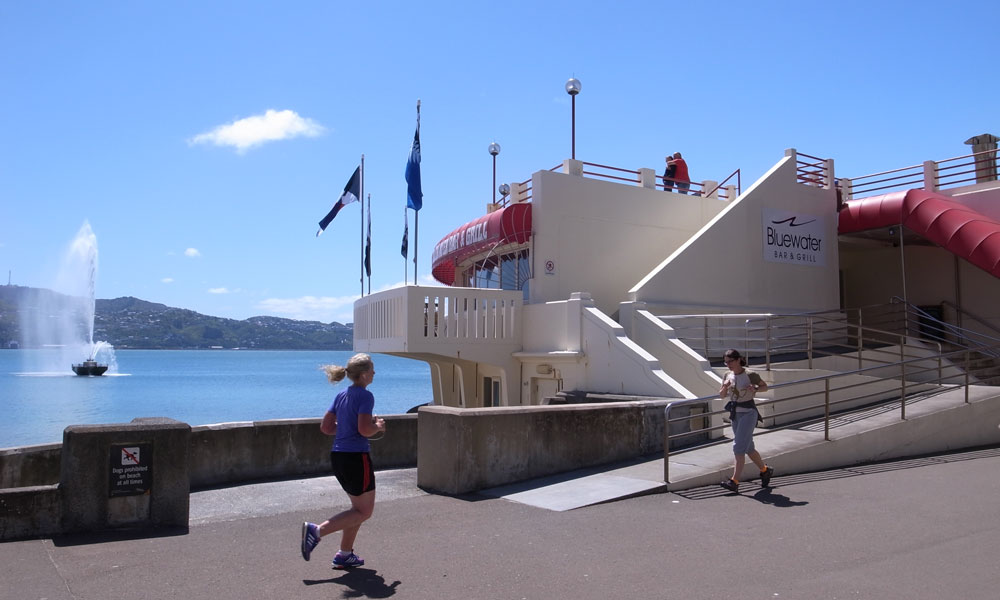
pixel 494 149
pixel 573 88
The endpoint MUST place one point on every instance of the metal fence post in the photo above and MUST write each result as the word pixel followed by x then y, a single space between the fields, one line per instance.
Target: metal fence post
pixel 967 365
pixel 902 378
pixel 767 342
pixel 861 345
pixel 940 370
pixel 809 340
pixel 746 339
pixel 666 443
pixel 826 410
pixel 705 327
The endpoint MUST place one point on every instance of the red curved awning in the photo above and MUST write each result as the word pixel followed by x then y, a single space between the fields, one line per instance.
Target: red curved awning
pixel 953 226
pixel 511 224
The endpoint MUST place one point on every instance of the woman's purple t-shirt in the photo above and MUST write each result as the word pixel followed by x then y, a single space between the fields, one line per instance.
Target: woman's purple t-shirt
pixel 348 404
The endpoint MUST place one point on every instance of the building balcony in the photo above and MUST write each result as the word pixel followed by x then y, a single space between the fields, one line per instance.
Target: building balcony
pixel 463 323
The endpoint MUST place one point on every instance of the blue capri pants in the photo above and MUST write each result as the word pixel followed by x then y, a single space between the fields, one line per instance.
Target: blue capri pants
pixel 743 426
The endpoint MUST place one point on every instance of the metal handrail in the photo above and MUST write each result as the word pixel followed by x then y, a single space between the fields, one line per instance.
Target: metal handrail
pixel 811 173
pixel 985 159
pixel 961 334
pixel 810 349
pixel 810 328
pixel 697 188
pixel 975 317
pixel 826 379
pixel 887 172
pixel 739 184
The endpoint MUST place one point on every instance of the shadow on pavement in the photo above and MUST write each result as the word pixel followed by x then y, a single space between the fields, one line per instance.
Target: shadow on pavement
pixel 767 496
pixel 360 583
pixel 116 535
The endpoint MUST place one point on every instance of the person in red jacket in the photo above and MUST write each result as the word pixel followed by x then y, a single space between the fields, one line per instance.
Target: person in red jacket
pixel 680 173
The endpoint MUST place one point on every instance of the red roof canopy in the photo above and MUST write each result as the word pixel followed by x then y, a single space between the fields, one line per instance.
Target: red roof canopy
pixel 511 224
pixel 953 226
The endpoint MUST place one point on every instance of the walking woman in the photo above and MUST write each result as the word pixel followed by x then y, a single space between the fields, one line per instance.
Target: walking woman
pixel 740 385
pixel 350 420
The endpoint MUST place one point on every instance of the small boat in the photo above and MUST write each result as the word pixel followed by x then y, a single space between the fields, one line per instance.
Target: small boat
pixel 90 368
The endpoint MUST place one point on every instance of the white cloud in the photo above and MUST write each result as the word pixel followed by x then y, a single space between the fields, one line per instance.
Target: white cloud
pixel 311 308
pixel 192 253
pixel 273 125
pixel 167 280
pixel 218 290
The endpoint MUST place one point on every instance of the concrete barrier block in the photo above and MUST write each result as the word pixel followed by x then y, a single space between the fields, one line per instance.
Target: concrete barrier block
pixel 463 450
pixel 103 466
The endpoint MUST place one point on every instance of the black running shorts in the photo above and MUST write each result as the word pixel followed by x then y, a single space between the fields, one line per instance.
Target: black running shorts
pixel 354 471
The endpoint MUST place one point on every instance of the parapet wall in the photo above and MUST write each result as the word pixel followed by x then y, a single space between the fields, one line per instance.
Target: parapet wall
pixel 52 489
pixel 455 450
pixel 464 450
pixel 238 452
pixel 229 453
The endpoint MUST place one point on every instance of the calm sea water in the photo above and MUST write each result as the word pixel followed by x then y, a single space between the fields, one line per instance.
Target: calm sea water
pixel 197 387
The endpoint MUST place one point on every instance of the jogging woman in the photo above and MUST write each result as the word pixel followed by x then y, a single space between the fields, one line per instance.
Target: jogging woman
pixel 350 420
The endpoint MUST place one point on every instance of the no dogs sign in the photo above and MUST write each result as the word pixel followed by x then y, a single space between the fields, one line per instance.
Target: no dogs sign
pixel 131 470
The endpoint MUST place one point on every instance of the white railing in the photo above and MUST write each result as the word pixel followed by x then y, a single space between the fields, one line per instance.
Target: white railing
pixel 427 318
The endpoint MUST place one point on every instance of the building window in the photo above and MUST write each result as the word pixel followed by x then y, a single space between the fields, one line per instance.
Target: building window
pixel 508 272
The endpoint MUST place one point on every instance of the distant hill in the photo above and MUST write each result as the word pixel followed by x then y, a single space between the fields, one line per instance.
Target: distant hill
pixel 133 323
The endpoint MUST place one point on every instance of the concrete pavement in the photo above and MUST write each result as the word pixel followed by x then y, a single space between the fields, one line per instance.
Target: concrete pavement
pixel 918 529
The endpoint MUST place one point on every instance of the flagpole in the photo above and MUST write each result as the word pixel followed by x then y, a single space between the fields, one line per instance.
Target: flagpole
pixel 416 216
pixel 362 199
pixel 414 193
pixel 406 242
pixel 368 243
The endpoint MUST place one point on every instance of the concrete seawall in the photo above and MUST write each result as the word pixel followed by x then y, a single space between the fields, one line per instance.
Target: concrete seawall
pixel 459 451
pixel 52 489
pixel 228 453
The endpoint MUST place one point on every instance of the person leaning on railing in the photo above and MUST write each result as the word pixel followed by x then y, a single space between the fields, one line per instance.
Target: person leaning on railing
pixel 680 176
pixel 668 174
pixel 740 385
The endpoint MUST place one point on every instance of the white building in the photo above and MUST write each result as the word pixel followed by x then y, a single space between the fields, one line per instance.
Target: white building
pixel 573 287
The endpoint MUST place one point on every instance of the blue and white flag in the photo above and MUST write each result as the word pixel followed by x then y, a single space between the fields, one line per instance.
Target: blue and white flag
pixel 352 191
pixel 414 196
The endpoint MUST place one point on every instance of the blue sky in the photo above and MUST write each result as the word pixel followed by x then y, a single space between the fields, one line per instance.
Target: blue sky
pixel 203 141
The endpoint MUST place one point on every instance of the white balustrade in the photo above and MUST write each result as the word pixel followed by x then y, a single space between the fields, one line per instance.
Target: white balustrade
pixel 436 319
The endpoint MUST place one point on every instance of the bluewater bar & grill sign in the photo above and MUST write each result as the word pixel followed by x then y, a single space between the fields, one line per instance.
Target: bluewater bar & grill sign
pixel 131 469
pixel 794 238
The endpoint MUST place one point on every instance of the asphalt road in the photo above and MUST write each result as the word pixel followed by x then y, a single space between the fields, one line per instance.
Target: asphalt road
pixel 915 529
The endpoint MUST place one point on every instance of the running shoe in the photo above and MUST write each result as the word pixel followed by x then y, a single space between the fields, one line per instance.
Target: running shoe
pixel 765 477
pixel 346 561
pixel 310 537
pixel 731 485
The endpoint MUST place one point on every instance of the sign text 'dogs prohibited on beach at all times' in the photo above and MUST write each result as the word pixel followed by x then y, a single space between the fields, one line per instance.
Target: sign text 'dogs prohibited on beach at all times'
pixel 131 470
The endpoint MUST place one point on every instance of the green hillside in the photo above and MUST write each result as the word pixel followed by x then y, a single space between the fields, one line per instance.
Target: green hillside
pixel 133 323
